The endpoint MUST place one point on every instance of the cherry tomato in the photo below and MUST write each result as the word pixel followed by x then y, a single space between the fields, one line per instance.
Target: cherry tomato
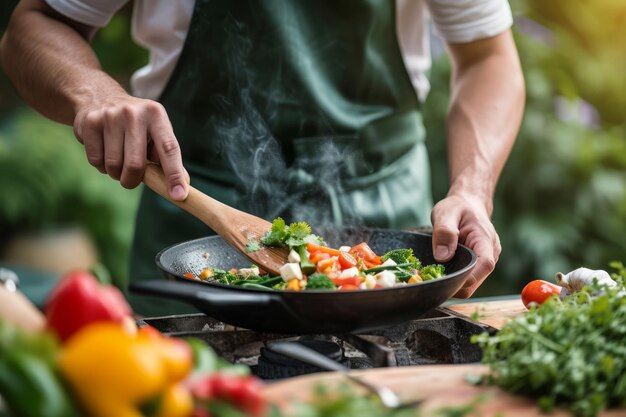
pixel 364 251
pixel 346 260
pixel 538 291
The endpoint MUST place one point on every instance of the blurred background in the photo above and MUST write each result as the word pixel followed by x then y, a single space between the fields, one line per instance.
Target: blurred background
pixel 560 204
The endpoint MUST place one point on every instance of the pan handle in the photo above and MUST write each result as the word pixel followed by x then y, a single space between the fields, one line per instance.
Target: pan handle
pixel 190 292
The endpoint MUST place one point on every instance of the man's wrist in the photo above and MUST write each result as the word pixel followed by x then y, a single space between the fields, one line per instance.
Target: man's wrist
pixel 477 193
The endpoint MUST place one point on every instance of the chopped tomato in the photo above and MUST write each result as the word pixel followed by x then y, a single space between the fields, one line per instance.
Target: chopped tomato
pixel 377 260
pixel 319 256
pixel 346 281
pixel 189 275
pixel 348 287
pixel 346 260
pixel 364 251
pixel 312 247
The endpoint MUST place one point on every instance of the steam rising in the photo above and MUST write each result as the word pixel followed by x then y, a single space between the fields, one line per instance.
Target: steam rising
pixel 307 188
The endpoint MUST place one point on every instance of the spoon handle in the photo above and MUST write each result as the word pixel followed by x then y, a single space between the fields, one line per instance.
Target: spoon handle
pixel 198 204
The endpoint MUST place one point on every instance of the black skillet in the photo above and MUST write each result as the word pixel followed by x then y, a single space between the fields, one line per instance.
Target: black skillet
pixel 306 312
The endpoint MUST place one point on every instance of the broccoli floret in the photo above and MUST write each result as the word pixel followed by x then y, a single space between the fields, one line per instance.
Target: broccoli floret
pixel 402 256
pixel 433 271
pixel 319 282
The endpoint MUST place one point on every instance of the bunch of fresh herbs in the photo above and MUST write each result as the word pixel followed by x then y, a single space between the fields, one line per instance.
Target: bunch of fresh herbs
pixel 570 352
pixel 292 236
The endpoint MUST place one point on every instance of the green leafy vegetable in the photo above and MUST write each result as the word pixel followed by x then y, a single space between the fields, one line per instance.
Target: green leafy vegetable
pixel 277 234
pixel 293 236
pixel 570 352
pixel 320 282
pixel 402 256
pixel 224 277
pixel 253 246
pixel 433 271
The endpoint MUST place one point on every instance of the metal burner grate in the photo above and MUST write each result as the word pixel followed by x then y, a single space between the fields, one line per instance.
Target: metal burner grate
pixel 441 337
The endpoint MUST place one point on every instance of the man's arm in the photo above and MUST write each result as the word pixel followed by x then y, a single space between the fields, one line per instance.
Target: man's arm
pixel 50 62
pixel 486 108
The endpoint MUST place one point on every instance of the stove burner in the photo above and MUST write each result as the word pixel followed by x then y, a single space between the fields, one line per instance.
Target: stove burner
pixel 441 336
pixel 273 365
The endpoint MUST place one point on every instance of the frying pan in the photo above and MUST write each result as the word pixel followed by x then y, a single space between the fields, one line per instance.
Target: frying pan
pixel 306 312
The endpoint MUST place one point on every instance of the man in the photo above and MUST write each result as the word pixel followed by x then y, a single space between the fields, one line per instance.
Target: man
pixel 308 109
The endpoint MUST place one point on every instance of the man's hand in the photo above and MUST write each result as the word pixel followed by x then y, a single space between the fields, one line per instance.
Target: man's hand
pixel 121 134
pixel 458 219
pixel 50 61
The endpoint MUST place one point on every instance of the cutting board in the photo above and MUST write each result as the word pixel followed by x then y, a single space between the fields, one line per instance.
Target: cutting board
pixel 440 385
pixel 493 313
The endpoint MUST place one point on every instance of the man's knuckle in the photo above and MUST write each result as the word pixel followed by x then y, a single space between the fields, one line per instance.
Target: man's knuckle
pixel 112 164
pixel 130 113
pixel 176 178
pixel 490 263
pixel 170 147
pixel 92 121
pixel 134 165
pixel 94 160
pixel 154 108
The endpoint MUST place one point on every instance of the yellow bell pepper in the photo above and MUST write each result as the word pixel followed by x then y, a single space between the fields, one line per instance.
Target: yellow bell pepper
pixel 116 373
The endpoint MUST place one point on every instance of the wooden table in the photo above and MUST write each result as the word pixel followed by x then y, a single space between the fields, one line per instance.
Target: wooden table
pixel 439 385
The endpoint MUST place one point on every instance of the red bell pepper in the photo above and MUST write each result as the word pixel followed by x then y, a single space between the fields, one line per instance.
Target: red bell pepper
pixel 80 300
pixel 242 392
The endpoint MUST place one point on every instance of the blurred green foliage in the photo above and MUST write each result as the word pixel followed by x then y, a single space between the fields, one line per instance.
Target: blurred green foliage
pixel 561 201
pixel 46 183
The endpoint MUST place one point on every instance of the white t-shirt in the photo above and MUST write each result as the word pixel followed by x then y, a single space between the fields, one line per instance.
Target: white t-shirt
pixel 161 27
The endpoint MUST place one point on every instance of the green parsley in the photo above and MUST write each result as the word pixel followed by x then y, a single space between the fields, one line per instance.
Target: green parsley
pixel 570 353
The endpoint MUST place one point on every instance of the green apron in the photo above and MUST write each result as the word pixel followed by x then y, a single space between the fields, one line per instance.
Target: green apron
pixel 294 108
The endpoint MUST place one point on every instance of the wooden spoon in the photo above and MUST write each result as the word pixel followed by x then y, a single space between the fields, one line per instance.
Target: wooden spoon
pixel 236 227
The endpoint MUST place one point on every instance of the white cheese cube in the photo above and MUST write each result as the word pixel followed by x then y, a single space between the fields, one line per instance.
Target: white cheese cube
pixel 349 273
pixel 290 271
pixel 293 257
pixel 386 279
pixel 345 249
pixel 389 262
pixel 248 272
pixel 370 281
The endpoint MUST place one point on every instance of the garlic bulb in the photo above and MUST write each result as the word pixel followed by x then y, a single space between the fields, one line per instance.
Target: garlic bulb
pixel 581 277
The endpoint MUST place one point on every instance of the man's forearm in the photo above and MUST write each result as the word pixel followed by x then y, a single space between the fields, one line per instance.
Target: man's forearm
pixel 51 63
pixel 485 113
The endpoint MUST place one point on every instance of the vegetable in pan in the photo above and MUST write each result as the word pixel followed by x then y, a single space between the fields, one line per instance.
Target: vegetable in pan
pixel 311 265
